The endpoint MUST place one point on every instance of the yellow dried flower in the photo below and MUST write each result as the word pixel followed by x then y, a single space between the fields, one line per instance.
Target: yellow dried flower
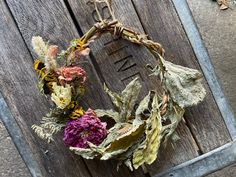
pixel 61 95
pixel 77 113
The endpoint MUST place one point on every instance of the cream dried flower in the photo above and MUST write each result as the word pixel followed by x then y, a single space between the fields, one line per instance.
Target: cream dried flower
pixel 40 47
pixel 61 95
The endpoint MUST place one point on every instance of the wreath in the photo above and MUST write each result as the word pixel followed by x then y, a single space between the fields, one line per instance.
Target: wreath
pixel 139 130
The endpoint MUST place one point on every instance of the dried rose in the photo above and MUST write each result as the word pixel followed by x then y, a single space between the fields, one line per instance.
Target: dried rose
pixel 88 128
pixel 69 73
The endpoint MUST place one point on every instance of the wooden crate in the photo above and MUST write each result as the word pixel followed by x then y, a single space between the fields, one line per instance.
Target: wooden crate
pixel 207 137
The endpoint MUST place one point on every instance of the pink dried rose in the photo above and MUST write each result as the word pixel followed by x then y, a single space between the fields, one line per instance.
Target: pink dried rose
pixel 88 128
pixel 69 73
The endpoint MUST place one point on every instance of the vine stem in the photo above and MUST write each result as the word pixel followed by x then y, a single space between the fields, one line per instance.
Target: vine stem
pixel 127 34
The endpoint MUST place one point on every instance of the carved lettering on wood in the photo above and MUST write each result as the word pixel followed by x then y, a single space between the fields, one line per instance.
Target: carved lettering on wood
pixel 123 61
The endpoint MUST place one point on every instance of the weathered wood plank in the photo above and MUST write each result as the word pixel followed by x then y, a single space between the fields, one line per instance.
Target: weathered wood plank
pixel 173 153
pixel 229 171
pixel 205 164
pixel 19 140
pixel 51 20
pixel 161 23
pixel 194 37
pixel 110 52
pixel 18 85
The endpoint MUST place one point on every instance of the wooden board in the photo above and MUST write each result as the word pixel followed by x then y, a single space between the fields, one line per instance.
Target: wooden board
pixel 58 161
pixel 161 23
pixel 131 54
pixel 113 61
pixel 205 164
pixel 18 85
pixel 229 171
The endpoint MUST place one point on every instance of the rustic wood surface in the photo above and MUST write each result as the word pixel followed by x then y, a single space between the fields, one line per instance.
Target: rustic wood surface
pixel 113 61
pixel 205 164
pixel 60 27
pixel 162 24
pixel 139 57
pixel 229 171
pixel 18 85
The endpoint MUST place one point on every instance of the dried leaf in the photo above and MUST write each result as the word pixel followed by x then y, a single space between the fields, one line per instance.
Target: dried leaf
pixel 184 84
pixel 109 113
pixel 113 134
pixel 50 125
pixel 148 149
pixel 129 96
pixel 85 153
pixel 143 106
pixel 124 142
pixel 115 97
pixel 223 4
pixel 126 100
pixel 174 114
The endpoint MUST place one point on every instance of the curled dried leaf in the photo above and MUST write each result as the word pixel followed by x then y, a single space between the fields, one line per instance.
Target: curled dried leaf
pixel 148 149
pixel 184 84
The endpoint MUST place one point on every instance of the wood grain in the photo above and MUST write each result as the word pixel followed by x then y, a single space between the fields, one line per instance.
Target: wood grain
pixel 51 20
pixel 133 54
pixel 18 85
pixel 173 153
pixel 161 23
pixel 205 164
pixel 229 171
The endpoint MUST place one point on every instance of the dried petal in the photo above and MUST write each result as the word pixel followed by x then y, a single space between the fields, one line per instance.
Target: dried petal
pixel 88 128
pixel 50 58
pixel 61 95
pixel 70 73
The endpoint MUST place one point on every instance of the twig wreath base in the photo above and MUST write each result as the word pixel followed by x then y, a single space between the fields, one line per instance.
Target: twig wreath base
pixel 138 131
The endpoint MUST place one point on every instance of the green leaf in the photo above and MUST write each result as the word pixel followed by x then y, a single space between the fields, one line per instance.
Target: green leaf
pixel 184 84
pixel 148 149
pixel 108 113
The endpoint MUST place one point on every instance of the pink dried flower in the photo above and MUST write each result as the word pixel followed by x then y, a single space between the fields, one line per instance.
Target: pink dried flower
pixel 50 58
pixel 88 128
pixel 69 73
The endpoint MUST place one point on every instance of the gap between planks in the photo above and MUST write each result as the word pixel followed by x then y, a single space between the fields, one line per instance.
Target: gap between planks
pixel 53 15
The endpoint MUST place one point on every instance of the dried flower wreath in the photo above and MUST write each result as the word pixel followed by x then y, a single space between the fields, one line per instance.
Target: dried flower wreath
pixel 138 132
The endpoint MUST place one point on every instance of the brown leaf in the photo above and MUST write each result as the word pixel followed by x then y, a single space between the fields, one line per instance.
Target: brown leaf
pixel 223 4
